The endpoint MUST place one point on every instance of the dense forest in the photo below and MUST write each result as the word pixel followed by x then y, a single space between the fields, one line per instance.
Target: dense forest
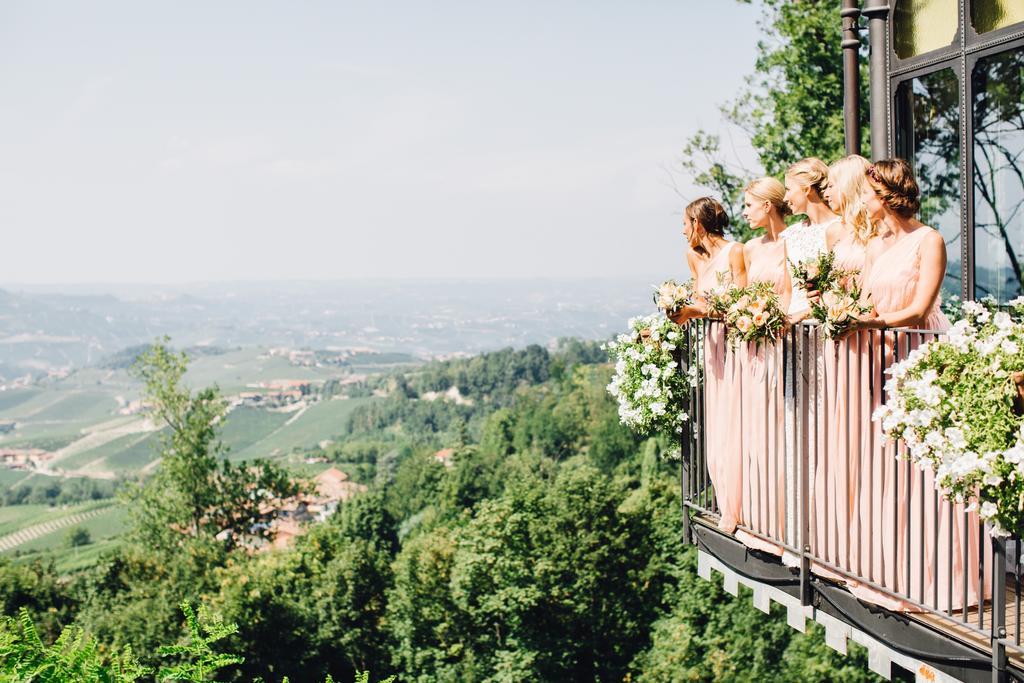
pixel 548 549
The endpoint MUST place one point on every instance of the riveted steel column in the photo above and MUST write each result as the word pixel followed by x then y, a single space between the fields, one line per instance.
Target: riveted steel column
pixel 851 75
pixel 877 12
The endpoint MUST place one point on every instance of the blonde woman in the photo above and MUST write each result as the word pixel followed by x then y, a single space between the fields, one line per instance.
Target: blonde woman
pixel 836 535
pixel 805 184
pixel 714 258
pixel 763 511
pixel 805 241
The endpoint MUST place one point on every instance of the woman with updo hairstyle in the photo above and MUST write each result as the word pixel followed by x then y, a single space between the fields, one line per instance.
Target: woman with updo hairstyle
pixel 713 260
pixel 761 375
pixel 838 495
pixel 805 183
pixel 904 269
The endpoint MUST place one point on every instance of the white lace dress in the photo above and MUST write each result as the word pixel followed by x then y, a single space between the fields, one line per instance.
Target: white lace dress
pixel 804 241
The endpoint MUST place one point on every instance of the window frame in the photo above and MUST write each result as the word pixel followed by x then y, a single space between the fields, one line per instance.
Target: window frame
pixel 962 56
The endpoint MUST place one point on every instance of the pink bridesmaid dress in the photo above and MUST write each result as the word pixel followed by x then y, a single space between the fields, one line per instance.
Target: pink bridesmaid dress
pixel 919 539
pixel 722 443
pixel 763 428
pixel 835 532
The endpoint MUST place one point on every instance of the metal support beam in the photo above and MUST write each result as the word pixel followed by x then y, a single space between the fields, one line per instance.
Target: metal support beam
pixel 851 75
pixel 877 13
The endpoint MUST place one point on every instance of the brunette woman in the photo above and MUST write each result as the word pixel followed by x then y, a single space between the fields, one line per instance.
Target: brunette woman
pixel 713 260
pixel 923 540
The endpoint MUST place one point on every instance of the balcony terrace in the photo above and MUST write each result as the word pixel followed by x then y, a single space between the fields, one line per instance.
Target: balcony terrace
pixel 918 581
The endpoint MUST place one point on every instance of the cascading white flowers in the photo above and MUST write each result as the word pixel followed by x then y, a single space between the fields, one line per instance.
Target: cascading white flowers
pixel 647 383
pixel 957 403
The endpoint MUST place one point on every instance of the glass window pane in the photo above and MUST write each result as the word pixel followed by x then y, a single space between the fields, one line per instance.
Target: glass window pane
pixel 928 135
pixel 924 25
pixel 989 15
pixel 998 83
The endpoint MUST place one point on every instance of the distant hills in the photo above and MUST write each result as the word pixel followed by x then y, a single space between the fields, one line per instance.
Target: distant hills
pixel 51 330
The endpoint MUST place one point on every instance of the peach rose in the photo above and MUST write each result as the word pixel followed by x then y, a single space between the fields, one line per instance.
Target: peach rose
pixel 743 324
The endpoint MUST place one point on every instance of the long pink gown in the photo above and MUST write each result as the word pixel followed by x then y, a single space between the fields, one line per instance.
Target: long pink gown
pixel 835 527
pixel 763 408
pixel 922 544
pixel 722 442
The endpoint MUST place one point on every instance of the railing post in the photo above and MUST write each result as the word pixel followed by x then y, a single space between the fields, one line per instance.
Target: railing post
pixel 685 452
pixel 802 451
pixel 998 610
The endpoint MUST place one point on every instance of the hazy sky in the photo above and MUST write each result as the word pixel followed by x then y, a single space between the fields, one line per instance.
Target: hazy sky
pixel 194 141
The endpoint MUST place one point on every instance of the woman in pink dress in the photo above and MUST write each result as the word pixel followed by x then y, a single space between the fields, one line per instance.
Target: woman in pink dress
pixel 805 391
pixel 713 258
pixel 922 537
pixel 838 493
pixel 762 401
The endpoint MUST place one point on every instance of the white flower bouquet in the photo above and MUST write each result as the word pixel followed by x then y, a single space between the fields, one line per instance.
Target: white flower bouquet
pixel 647 383
pixel 755 314
pixel 958 404
pixel 670 296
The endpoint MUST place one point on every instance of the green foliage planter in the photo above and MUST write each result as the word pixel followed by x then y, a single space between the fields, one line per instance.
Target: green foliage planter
pixel 956 403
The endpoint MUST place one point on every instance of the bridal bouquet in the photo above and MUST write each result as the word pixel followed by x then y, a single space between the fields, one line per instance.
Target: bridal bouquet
pixel 839 306
pixel 755 314
pixel 671 296
pixel 647 383
pixel 818 273
pixel 957 402
pixel 721 296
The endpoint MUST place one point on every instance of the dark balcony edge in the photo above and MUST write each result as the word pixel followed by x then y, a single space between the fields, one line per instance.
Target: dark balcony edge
pixel 898 633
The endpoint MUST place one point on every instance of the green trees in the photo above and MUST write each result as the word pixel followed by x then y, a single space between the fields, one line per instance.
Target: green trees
pixel 195 491
pixel 790 108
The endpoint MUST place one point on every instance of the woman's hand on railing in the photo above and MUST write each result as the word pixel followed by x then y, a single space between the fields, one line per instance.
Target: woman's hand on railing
pixel 867 321
pixel 684 314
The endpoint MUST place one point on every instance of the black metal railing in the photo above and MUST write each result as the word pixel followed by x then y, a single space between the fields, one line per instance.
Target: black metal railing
pixel 823 489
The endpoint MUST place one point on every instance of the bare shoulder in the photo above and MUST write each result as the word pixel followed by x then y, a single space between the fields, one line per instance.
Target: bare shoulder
pixel 833 233
pixel 875 246
pixel 932 237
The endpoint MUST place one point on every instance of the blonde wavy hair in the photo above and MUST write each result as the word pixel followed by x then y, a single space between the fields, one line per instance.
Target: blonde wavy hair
pixel 769 190
pixel 810 172
pixel 848 179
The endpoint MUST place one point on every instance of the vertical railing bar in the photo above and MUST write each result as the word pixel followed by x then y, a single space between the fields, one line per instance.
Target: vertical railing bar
pixel 1016 592
pixel 998 608
pixel 966 566
pixel 981 577
pixel 847 451
pixel 804 455
pixel 692 431
pixel 763 498
pixel 936 507
pixel 702 386
pixel 818 455
pixel 685 452
pixel 790 359
pixel 871 460
pixel 921 535
pixel 903 464
pixel 952 559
